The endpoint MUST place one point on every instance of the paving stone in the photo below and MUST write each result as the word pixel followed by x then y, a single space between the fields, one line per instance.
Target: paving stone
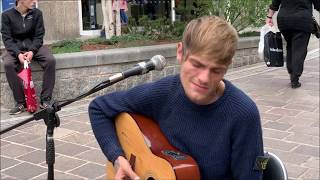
pixel 305 130
pixel 90 171
pixel 276 134
pixel 307 122
pixel 40 143
pixel 25 171
pixel 284 112
pixel 263 109
pixel 104 177
pixel 303 139
pixel 94 145
pixel 39 129
pixel 4 143
pixel 277 126
pixel 77 126
pixel 83 118
pixel 59 176
pixel 35 157
pixel 274 103
pixel 309 108
pixel 70 149
pixel 307 150
pixel 311 174
pixel 62 132
pixel 22 138
pixel 294 171
pixel 29 124
pixel 94 155
pixel 14 150
pixel 7 162
pixel 10 133
pixel 64 121
pixel 80 139
pixel 90 133
pixel 315 124
pixel 279 144
pixel 312 163
pixel 292 158
pixel 6 177
pixel 311 115
pixel 272 117
pixel 65 163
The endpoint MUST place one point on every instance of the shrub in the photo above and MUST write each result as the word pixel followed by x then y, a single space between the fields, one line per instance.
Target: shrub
pixel 66 46
pixel 241 14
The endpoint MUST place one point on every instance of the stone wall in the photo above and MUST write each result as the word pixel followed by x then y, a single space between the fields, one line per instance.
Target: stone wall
pixel 79 72
pixel 61 19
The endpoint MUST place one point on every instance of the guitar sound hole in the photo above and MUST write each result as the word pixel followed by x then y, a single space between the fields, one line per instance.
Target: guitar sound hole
pixel 150 178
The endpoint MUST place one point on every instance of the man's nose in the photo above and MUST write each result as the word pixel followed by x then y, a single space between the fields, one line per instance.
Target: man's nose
pixel 204 76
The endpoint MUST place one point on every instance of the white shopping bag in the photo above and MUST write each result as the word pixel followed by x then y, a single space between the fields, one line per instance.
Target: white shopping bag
pixel 264 30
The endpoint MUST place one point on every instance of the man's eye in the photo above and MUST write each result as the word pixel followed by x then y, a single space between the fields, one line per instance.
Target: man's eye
pixel 196 65
pixel 217 71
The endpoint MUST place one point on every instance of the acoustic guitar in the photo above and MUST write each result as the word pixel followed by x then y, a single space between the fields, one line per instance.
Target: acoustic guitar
pixel 149 152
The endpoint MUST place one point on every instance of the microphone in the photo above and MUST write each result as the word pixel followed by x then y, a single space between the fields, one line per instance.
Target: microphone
pixel 157 62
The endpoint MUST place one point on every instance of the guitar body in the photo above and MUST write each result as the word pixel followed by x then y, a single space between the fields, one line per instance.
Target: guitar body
pixel 154 157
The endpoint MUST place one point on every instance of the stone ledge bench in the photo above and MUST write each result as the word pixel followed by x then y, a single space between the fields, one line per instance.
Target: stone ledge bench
pixel 78 72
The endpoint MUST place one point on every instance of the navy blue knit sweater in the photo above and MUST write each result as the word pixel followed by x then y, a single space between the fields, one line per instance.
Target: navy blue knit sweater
pixel 224 137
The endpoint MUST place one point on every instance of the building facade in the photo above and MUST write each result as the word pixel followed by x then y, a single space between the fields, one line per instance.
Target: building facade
pixel 67 19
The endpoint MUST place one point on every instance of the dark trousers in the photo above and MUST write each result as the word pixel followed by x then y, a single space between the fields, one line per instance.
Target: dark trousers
pixel 297 44
pixel 123 16
pixel 12 66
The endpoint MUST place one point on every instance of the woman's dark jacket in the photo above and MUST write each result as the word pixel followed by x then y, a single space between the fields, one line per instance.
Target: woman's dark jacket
pixel 295 14
pixel 22 33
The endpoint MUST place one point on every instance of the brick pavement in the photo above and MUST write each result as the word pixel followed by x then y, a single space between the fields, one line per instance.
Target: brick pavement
pixel 290 119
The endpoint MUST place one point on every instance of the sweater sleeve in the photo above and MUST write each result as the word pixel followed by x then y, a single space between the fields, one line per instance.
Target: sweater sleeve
pixel 104 109
pixel 275 5
pixel 6 32
pixel 247 143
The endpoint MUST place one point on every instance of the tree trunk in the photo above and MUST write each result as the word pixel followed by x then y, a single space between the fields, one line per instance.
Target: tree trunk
pixel 117 17
pixel 108 20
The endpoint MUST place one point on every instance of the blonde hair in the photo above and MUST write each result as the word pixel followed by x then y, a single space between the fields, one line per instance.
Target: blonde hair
pixel 212 37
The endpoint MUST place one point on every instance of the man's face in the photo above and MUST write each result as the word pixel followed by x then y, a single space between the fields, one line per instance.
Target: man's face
pixel 29 4
pixel 200 77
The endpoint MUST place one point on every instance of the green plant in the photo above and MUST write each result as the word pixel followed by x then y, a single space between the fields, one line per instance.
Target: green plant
pixel 66 46
pixel 159 29
pixel 245 13
pixel 98 40
pixel 127 38
pixel 240 13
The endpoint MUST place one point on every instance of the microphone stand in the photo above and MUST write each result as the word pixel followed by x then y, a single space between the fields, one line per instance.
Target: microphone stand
pixel 52 120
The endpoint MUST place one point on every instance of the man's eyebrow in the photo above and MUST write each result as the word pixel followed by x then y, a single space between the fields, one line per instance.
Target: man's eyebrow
pixel 193 59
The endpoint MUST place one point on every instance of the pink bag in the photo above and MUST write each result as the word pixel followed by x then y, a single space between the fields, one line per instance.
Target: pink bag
pixel 28 86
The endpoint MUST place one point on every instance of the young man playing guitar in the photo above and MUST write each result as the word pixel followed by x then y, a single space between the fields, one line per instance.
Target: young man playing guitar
pixel 199 112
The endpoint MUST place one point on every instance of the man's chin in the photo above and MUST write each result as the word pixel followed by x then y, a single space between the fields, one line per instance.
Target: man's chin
pixel 198 100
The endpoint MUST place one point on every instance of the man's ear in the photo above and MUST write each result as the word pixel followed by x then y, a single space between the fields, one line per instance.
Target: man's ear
pixel 179 52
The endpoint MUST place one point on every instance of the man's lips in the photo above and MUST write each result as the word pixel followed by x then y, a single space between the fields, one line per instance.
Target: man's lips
pixel 199 87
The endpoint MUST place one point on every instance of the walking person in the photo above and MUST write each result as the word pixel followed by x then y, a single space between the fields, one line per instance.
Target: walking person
pixel 200 113
pixel 123 6
pixel 22 33
pixel 123 10
pixel 295 24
